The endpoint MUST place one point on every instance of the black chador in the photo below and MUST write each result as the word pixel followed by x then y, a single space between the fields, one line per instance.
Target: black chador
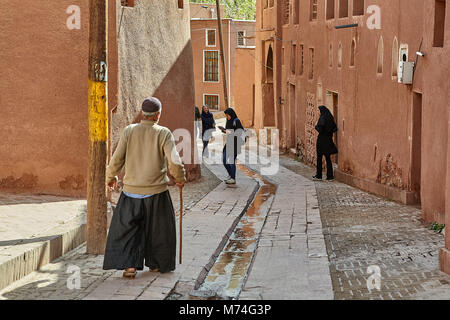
pixel 326 127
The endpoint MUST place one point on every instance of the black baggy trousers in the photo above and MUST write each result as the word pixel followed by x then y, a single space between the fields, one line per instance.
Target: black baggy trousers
pixel 142 229
pixel 330 174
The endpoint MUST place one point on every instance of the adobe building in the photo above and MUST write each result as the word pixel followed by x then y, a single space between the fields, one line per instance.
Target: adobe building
pixel 44 85
pixel 393 133
pixel 239 47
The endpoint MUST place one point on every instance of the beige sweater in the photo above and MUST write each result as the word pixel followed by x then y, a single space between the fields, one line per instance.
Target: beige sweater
pixel 143 149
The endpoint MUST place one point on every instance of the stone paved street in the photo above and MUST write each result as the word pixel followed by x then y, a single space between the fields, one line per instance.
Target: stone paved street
pixel 362 230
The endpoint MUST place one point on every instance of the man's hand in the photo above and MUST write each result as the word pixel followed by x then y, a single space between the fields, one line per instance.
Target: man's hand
pixel 180 185
pixel 112 184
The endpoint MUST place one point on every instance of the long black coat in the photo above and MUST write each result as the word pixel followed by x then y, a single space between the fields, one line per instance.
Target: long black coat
pixel 326 128
pixel 208 123
pixel 234 123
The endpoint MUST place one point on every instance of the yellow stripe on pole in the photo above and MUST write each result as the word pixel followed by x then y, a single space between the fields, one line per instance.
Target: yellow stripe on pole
pixel 98 113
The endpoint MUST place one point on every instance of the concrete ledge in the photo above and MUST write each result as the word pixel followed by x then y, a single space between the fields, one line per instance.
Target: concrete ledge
pixel 19 261
pixel 444 260
pixel 402 196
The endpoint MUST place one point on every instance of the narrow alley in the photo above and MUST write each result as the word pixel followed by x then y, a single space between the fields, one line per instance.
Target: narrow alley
pixel 222 154
pixel 322 235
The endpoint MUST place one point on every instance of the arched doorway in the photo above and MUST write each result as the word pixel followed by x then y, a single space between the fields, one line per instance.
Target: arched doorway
pixel 268 90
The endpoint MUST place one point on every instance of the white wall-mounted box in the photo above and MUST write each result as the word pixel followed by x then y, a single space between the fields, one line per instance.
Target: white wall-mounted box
pixel 405 72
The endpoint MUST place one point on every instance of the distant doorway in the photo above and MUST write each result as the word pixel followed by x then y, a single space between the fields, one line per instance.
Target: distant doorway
pixel 292 117
pixel 268 91
pixel 416 147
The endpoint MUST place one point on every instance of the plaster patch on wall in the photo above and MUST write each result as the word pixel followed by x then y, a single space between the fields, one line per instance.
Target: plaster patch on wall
pixel 27 181
pixel 73 182
pixel 389 173
pixel 347 167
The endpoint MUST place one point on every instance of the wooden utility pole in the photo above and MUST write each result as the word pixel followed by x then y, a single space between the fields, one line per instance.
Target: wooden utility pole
pixel 222 56
pixel 98 128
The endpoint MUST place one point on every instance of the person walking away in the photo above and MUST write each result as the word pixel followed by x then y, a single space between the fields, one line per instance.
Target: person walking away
pixel 208 126
pixel 143 224
pixel 325 145
pixel 232 148
pixel 198 120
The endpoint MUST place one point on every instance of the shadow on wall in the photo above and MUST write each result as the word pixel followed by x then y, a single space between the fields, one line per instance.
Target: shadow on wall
pixel 177 95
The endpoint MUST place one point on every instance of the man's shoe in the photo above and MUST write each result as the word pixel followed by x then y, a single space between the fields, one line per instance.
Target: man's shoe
pixel 230 181
pixel 227 178
pixel 330 179
pixel 316 178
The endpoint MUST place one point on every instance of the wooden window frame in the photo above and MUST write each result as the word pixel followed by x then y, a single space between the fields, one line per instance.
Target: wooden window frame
pixel 204 66
pixel 207 38
pixel 243 39
pixel 212 95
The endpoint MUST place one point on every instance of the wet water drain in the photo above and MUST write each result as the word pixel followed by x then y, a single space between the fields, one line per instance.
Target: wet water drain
pixel 227 276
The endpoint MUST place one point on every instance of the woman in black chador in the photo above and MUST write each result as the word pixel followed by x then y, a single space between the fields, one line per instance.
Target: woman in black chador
pixel 208 126
pixel 325 145
pixel 232 148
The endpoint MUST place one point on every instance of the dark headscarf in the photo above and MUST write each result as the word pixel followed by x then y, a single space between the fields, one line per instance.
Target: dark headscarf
pixel 326 124
pixel 233 116
pixel 207 121
pixel 235 124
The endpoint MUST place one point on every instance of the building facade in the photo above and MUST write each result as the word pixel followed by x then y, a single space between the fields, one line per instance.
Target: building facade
pixel 354 56
pixel 239 47
pixel 44 86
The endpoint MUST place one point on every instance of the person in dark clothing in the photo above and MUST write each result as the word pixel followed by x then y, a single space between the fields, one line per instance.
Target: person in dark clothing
pixel 208 125
pixel 326 127
pixel 232 148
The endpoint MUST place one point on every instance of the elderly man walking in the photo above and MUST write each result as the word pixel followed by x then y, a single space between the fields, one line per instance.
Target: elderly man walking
pixel 143 224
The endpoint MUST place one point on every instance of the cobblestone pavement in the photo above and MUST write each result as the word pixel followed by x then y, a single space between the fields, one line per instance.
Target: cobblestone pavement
pixel 194 191
pixel 362 230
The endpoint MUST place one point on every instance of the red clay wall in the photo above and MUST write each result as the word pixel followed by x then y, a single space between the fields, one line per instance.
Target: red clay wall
pixel 43 91
pixel 375 113
pixel 155 59
pixel 230 29
pixel 268 92
pixel 243 82
pixel 198 31
pixel 43 98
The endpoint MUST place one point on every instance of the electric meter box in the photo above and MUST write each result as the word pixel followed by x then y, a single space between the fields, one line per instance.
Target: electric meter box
pixel 405 72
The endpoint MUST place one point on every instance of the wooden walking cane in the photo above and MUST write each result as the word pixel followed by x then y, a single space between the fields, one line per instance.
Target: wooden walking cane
pixel 181 223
